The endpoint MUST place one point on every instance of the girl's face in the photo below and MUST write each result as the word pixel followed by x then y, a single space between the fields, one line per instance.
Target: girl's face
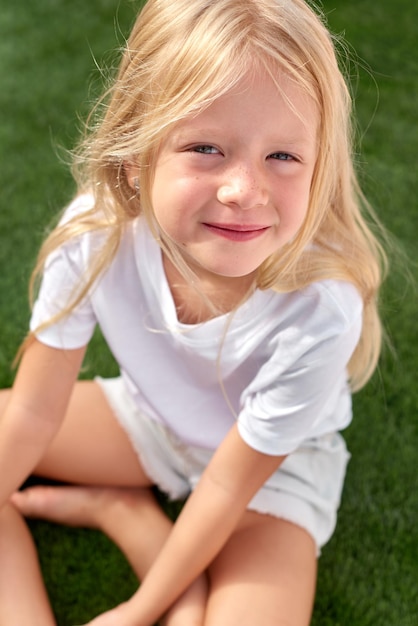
pixel 232 183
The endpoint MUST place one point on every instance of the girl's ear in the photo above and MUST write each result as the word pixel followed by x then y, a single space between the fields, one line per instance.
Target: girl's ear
pixel 132 174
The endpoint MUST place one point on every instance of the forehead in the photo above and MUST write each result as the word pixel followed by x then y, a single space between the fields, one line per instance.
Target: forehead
pixel 262 102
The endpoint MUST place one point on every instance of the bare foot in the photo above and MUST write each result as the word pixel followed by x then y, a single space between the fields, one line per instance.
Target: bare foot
pixel 75 506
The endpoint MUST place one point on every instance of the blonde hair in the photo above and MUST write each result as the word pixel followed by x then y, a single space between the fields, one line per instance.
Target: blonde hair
pixel 179 58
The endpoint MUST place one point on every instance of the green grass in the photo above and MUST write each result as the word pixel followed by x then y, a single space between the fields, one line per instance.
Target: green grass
pixel 368 573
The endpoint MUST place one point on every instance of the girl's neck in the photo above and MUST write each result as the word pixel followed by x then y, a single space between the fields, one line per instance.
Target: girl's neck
pixel 209 297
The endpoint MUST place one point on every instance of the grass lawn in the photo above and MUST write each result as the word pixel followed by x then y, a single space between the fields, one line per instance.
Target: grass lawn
pixel 368 573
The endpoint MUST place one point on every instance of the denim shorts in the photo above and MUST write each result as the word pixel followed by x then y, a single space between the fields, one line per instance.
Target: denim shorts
pixel 305 490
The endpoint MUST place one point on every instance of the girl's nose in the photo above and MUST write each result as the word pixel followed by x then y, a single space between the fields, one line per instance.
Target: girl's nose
pixel 244 188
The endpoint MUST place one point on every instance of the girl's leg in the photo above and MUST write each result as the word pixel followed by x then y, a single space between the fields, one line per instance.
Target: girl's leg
pixel 264 575
pixel 131 518
pixel 91 448
pixel 23 599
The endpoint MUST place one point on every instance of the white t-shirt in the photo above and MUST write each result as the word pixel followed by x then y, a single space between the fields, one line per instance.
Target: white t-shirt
pixel 280 369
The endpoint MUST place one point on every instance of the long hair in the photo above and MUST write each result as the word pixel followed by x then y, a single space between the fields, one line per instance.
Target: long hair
pixel 179 58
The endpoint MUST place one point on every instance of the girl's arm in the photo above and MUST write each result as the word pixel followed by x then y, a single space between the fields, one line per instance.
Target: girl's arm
pixel 234 475
pixel 35 410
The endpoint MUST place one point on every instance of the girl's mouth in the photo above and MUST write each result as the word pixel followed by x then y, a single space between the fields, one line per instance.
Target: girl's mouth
pixel 236 232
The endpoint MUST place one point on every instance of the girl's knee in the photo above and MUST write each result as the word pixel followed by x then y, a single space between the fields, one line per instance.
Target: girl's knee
pixel 265 575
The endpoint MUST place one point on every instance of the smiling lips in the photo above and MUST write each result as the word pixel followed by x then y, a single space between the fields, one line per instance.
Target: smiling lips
pixel 236 232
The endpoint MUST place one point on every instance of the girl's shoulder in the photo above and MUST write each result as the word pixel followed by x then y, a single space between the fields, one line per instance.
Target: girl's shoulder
pixel 341 298
pixel 334 309
pixel 329 303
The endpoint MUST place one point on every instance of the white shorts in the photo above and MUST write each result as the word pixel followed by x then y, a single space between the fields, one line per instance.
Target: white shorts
pixel 305 490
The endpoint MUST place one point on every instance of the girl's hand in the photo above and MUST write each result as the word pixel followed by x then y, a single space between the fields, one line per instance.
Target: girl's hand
pixel 110 618
pixel 119 616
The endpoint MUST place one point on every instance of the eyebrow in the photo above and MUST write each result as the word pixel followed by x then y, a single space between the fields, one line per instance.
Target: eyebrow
pixel 208 132
pixel 186 132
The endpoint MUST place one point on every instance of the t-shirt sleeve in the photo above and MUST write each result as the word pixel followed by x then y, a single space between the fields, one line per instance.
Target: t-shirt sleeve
pixel 62 279
pixel 303 385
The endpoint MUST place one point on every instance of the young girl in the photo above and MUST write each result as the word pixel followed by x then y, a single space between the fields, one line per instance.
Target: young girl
pixel 217 239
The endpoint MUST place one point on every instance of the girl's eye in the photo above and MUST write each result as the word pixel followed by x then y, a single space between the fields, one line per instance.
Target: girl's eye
pixel 205 149
pixel 282 156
